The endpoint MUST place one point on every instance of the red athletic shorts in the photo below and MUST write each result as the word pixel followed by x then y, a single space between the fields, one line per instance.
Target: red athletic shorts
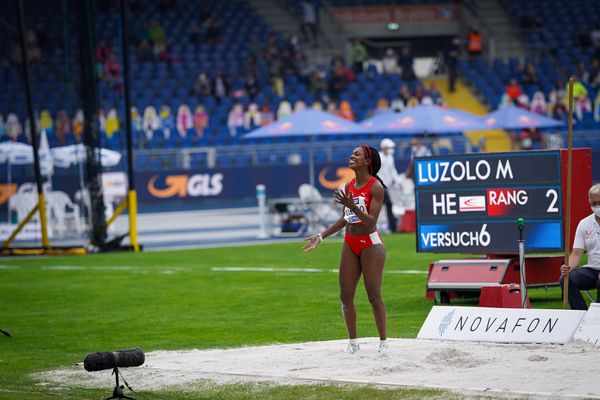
pixel 360 242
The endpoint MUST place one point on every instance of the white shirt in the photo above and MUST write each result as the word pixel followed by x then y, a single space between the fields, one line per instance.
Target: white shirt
pixel 388 172
pixel 421 151
pixel 309 15
pixel 587 237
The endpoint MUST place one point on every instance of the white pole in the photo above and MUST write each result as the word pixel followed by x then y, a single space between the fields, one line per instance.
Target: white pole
pixel 521 225
pixel 261 195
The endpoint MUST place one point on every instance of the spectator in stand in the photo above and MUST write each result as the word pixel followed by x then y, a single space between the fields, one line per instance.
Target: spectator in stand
pixel 63 127
pixel 337 84
pixel 558 109
pixel 112 123
pixel 523 102
pixel 256 47
pixel 219 86
pixel 390 62
pixel 332 108
pixel 346 111
pixel 2 128
pixel 78 122
pixel 452 62
pixel 417 149
pixel 144 51
pixel 214 33
pixel 252 88
pixel 404 93
pixel 434 93
pixel 266 115
pixel 316 82
pixel 582 72
pixel 538 104
pixel 584 38
pixel 530 139
pixel 382 107
pixel 309 22
pixel 406 62
pixel 13 127
pixel 299 106
pixel 285 109
pixel 166 121
pixel 112 73
pixel 336 61
pixel 202 87
pixel 252 117
pixel 235 119
pixel 103 54
pixel 288 64
pixel 150 122
pixel 513 90
pixel 419 92
pixel 557 92
pixel 582 106
pixel 578 90
pixel 359 55
pixel 200 120
pixel 594 77
pixel 474 43
pixel 530 77
pixel 158 37
pixel 142 32
pixel 317 105
pixel 185 120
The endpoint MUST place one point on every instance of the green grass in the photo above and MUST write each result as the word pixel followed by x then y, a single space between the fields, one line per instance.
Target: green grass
pixel 172 300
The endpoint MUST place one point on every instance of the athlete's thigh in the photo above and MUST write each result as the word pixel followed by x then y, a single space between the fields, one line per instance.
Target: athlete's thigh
pixel 349 269
pixel 372 261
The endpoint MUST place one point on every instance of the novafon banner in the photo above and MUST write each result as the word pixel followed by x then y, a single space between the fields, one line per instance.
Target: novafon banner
pixel 507 325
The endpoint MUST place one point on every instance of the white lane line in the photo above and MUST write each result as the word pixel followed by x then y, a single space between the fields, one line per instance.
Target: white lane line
pixel 307 270
pixel 144 270
pixel 9 267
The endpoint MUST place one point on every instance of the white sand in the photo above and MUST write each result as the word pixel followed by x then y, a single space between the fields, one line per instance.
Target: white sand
pixel 539 371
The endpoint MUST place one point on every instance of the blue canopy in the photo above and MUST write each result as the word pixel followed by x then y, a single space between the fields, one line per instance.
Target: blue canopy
pixel 423 119
pixel 512 117
pixel 308 123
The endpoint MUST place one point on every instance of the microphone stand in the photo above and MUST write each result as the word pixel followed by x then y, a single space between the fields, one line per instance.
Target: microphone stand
pixel 521 225
pixel 118 390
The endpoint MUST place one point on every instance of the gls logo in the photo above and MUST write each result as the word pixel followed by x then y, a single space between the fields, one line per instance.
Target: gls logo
pixel 184 185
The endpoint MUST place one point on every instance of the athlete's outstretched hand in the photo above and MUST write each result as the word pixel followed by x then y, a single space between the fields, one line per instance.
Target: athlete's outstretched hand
pixel 313 241
pixel 342 198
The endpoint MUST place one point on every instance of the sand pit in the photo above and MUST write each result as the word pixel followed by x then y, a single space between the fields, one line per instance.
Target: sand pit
pixel 539 371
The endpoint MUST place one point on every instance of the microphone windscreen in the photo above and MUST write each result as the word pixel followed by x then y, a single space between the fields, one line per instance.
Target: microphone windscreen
pixel 130 358
pixel 99 361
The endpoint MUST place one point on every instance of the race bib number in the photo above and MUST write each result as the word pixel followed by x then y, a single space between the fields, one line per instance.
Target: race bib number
pixel 349 215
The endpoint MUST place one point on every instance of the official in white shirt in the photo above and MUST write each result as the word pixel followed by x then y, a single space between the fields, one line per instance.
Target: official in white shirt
pixel 587 238
pixel 389 176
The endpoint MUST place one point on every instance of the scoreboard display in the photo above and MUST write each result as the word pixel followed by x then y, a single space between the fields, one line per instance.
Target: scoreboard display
pixel 470 203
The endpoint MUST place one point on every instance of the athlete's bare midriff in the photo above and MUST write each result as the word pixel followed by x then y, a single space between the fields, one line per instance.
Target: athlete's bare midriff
pixel 358 229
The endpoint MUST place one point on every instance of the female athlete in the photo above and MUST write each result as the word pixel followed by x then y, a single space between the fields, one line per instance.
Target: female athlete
pixel 363 251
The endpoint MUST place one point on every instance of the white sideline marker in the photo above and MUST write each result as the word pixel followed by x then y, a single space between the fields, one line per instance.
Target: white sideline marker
pixel 307 270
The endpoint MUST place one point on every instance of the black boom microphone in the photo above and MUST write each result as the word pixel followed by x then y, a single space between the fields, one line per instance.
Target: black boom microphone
pixel 114 359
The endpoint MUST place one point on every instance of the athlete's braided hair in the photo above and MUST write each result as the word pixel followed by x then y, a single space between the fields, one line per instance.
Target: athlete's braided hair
pixel 372 155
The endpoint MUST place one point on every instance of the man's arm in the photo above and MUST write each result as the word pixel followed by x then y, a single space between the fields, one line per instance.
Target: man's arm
pixel 574 259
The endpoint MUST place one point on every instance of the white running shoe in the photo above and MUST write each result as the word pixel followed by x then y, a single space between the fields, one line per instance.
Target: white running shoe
pixel 384 349
pixel 352 348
